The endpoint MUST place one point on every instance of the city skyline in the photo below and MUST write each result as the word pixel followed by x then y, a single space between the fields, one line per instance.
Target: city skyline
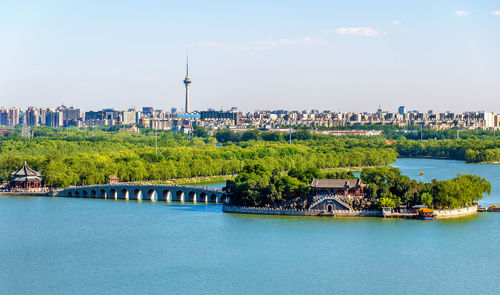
pixel 150 117
pixel 341 57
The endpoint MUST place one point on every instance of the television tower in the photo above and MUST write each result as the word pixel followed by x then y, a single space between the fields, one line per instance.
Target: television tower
pixel 187 82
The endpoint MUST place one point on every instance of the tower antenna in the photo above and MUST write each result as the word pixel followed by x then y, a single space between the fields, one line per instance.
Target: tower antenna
pixel 187 63
pixel 187 82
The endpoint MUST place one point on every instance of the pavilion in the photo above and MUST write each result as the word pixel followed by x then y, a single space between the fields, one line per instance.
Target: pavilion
pixel 25 178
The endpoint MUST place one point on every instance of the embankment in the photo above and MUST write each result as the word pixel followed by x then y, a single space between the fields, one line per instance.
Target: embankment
pixel 270 211
pixel 451 213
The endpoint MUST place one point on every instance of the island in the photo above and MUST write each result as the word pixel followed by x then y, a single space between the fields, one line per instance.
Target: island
pixel 380 191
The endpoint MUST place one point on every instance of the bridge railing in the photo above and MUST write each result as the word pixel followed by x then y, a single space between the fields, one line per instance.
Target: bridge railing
pixel 128 184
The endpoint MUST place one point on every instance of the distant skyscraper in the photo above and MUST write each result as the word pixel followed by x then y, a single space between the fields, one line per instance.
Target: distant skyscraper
pixel 402 110
pixel 187 82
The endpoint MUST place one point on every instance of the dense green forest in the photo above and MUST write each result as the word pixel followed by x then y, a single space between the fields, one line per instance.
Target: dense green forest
pixel 71 156
pixel 260 186
pixel 471 146
pixel 470 150
pixel 387 187
pixel 391 188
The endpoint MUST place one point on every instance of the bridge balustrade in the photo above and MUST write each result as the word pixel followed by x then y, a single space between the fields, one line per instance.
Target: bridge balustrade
pixel 131 191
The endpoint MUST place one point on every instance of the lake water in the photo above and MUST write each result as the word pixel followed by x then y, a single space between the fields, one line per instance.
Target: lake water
pixel 92 246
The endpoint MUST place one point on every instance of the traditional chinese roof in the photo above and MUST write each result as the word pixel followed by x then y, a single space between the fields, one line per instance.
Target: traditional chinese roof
pixel 26 171
pixel 26 179
pixel 336 183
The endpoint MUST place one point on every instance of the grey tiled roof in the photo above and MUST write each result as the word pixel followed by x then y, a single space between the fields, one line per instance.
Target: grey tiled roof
pixel 26 171
pixel 336 183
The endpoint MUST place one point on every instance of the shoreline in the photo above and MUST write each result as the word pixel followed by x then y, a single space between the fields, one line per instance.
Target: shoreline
pixel 25 194
pixel 445 158
pixel 438 214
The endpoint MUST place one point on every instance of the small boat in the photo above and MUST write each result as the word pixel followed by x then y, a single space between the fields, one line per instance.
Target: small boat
pixel 424 213
pixel 494 208
pixel 421 173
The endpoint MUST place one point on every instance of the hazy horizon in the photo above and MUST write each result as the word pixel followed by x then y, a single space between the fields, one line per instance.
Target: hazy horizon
pixel 347 56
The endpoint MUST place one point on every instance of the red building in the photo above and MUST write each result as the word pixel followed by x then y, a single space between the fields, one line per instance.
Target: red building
pixel 114 179
pixel 337 187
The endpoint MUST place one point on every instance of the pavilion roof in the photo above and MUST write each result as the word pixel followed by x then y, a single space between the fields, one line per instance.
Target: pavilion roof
pixel 26 171
pixel 336 183
pixel 27 179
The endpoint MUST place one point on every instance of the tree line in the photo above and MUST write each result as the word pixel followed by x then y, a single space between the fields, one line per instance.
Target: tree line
pixel 391 188
pixel 258 186
pixel 84 157
pixel 73 156
pixel 470 150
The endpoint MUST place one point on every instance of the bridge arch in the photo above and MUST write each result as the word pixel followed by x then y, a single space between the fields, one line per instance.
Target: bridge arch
pixel 179 196
pixel 70 194
pixel 85 193
pixel 165 196
pixel 102 194
pixel 137 194
pixel 93 194
pixel 124 194
pixel 191 197
pixel 223 198
pixel 113 194
pixel 213 198
pixel 151 195
pixel 204 197
pixel 77 194
pixel 329 204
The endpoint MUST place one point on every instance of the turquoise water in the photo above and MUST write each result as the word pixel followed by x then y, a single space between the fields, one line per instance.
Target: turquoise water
pixel 92 246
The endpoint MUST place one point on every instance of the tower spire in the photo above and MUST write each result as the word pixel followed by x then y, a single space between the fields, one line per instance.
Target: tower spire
pixel 187 63
pixel 187 82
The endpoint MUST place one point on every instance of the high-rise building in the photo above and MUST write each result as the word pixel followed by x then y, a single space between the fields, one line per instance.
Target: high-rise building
pixel 219 115
pixel 32 117
pixel 4 117
pixel 148 111
pixel 13 116
pixel 70 114
pixel 128 117
pixel 402 110
pixel 187 82
pixel 43 116
pixel 53 118
pixel 487 118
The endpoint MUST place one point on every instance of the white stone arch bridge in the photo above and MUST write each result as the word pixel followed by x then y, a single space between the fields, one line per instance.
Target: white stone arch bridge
pixel 146 192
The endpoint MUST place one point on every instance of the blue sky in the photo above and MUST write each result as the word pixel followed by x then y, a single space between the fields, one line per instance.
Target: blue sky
pixel 336 55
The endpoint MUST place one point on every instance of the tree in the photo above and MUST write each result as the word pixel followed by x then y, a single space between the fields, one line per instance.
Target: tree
pixel 386 202
pixel 199 131
pixel 427 200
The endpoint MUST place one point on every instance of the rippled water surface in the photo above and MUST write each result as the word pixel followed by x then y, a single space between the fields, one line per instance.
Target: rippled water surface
pixel 91 246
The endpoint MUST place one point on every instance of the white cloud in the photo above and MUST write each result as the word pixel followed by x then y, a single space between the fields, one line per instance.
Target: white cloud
pixel 496 12
pixel 461 13
pixel 359 31
pixel 397 22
